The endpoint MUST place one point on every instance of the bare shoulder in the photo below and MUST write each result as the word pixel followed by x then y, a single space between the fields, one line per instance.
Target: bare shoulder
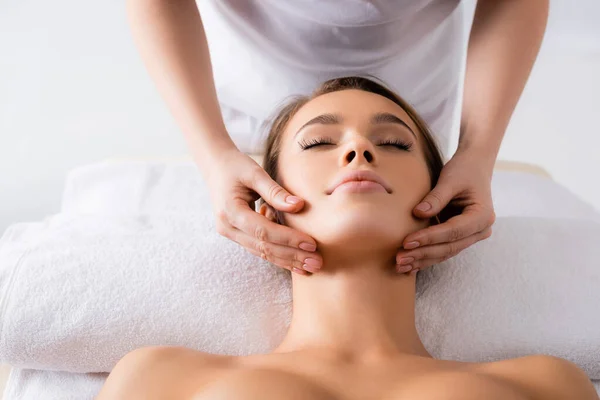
pixel 544 377
pixel 157 372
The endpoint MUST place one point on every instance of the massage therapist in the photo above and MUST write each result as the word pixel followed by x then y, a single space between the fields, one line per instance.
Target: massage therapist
pixel 222 66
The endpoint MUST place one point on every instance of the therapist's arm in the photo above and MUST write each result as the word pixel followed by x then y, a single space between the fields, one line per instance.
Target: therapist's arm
pixel 170 37
pixel 504 42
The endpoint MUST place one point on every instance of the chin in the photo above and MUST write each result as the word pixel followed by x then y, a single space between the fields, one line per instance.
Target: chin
pixel 356 230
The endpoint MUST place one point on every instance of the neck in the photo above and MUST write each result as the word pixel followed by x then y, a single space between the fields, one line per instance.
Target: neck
pixel 356 308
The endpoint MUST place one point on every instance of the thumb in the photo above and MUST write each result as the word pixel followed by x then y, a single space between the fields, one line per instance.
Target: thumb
pixel 272 193
pixel 435 201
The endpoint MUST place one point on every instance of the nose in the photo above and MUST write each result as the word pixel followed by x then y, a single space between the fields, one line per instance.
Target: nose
pixel 359 150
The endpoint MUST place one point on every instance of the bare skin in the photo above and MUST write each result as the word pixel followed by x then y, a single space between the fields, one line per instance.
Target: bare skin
pixel 180 373
pixel 352 334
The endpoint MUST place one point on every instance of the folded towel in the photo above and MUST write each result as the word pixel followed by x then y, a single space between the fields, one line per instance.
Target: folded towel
pixel 33 384
pixel 74 285
pixel 89 289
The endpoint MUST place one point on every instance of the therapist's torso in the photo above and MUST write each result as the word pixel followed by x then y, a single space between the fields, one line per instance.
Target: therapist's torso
pixel 264 51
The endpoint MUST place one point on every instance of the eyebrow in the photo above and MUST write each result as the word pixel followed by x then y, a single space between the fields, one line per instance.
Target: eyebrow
pixel 387 118
pixel 324 119
pixel 334 119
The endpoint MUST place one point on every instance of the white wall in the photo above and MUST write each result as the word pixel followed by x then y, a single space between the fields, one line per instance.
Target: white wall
pixel 73 90
pixel 555 123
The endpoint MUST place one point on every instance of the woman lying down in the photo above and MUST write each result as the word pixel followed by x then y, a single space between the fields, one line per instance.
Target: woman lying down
pixel 353 334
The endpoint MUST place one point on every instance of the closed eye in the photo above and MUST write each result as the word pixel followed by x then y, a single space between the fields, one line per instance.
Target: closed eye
pixel 400 144
pixel 315 142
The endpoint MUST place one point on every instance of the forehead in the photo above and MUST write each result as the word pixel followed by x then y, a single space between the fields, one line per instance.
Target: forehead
pixel 355 106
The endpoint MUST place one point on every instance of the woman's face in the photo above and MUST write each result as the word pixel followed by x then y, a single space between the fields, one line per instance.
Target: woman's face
pixel 364 129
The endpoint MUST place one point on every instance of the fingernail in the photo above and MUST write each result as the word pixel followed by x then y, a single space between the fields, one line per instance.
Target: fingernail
pixel 412 245
pixel 293 200
pixel 406 260
pixel 310 268
pixel 424 206
pixel 312 262
pixel 307 246
pixel 403 268
pixel 298 271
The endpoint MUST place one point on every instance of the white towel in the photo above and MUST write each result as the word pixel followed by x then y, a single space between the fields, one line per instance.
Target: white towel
pixel 92 288
pixel 88 289
pixel 33 384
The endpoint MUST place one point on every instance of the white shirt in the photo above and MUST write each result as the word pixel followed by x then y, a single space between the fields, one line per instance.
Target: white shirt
pixel 264 51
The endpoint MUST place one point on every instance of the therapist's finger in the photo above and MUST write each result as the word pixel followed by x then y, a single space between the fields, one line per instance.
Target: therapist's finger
pixel 281 256
pixel 473 219
pixel 427 256
pixel 241 216
pixel 231 232
pixel 274 194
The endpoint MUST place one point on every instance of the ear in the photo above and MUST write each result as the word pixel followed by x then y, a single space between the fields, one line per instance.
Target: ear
pixel 267 211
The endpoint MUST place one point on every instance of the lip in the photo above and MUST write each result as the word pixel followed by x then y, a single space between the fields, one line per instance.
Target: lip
pixel 359 175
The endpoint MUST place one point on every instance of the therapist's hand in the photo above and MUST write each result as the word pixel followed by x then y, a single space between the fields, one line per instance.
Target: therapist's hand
pixel 462 199
pixel 235 182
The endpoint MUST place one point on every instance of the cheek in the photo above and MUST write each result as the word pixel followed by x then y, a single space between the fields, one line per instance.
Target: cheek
pixel 302 178
pixel 420 184
pixel 419 177
pixel 411 184
pixel 309 182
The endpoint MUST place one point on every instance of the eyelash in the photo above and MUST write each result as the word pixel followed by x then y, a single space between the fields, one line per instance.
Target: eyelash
pixel 400 144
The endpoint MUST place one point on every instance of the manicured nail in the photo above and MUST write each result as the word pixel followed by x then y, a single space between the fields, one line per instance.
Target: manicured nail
pixel 292 200
pixel 310 268
pixel 403 268
pixel 424 206
pixel 299 271
pixel 312 262
pixel 406 260
pixel 307 246
pixel 412 245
